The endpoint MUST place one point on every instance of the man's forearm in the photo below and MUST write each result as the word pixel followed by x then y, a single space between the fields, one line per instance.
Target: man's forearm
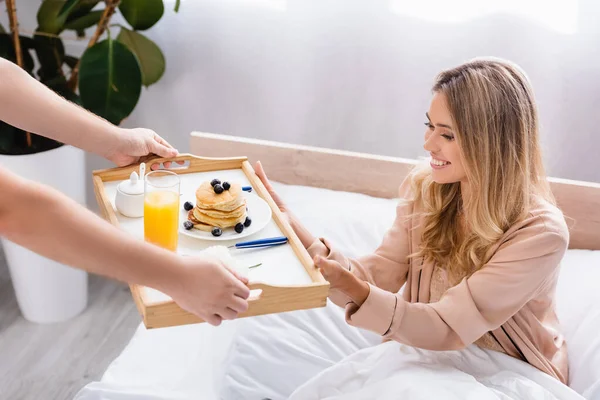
pixel 31 106
pixel 51 224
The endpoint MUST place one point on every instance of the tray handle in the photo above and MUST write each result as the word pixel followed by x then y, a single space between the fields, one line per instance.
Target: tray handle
pixel 194 164
pixel 194 161
pixel 293 293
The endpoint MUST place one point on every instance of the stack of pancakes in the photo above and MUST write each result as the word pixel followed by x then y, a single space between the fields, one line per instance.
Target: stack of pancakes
pixel 223 210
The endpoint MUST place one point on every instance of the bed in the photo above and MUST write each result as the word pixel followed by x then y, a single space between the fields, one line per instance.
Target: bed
pixel 350 198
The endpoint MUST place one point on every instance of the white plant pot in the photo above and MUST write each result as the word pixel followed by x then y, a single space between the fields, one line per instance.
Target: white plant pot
pixel 47 291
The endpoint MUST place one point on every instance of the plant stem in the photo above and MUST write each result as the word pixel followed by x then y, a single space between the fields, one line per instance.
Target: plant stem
pixel 255 265
pixel 11 9
pixel 111 6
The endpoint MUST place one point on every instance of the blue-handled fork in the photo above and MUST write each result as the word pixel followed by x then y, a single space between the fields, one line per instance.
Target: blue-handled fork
pixel 267 242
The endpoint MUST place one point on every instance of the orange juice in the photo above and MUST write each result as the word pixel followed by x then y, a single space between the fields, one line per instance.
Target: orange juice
pixel 161 218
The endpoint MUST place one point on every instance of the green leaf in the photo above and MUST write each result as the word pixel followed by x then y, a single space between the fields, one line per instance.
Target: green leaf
pixel 73 97
pixel 56 83
pixel 85 21
pixel 142 14
pixel 7 50
pixel 51 55
pixel 82 8
pixel 60 86
pixel 68 7
pixel 7 137
pixel 48 17
pixel 151 59
pixel 71 61
pixel 177 4
pixel 110 80
pixel 13 141
pixel 27 43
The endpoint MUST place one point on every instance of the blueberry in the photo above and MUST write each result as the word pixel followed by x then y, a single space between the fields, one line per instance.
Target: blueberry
pixel 188 225
pixel 226 185
pixel 216 232
pixel 239 228
pixel 187 206
pixel 247 222
pixel 214 182
pixel 218 188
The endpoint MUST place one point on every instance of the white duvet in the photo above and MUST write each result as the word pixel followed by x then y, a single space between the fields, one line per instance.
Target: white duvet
pixel 395 371
pixel 315 354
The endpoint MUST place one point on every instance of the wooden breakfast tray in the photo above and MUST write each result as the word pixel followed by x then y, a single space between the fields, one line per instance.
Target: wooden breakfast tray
pixel 287 279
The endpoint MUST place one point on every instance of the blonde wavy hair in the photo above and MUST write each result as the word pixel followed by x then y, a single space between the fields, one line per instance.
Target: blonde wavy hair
pixel 495 123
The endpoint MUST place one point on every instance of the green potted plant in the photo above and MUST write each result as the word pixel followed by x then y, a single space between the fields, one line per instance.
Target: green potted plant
pixel 107 80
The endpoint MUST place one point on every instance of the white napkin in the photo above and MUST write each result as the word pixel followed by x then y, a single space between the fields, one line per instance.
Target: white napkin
pixel 224 255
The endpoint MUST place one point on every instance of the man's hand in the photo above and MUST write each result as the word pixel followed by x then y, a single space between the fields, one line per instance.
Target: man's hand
pixel 208 289
pixel 134 145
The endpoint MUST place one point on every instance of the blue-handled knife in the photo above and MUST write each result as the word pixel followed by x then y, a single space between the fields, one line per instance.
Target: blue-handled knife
pixel 268 242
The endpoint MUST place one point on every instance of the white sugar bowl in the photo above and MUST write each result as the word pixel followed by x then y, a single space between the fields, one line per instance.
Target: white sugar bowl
pixel 130 195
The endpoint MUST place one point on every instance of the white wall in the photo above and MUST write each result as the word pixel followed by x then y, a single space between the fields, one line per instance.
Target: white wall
pixel 355 75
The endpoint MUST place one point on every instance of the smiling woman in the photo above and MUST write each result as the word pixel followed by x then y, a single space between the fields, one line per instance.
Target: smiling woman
pixel 477 236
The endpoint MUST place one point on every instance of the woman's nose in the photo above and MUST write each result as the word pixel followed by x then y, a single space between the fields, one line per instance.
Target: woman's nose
pixel 430 144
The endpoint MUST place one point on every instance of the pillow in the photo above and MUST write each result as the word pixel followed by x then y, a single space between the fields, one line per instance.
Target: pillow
pixel 578 308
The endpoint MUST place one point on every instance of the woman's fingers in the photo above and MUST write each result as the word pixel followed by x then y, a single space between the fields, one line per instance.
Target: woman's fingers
pixel 343 280
pixel 260 172
pixel 330 269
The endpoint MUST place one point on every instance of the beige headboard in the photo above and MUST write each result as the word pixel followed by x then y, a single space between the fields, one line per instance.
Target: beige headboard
pixel 381 176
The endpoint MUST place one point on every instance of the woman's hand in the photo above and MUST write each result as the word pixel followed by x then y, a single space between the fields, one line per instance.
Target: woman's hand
pixel 135 145
pixel 210 290
pixel 343 280
pixel 260 172
pixel 303 234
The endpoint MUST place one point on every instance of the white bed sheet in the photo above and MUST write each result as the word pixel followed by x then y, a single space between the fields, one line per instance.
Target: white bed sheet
pixel 189 362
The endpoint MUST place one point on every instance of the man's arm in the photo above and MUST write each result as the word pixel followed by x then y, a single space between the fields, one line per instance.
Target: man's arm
pixel 53 225
pixel 49 223
pixel 31 106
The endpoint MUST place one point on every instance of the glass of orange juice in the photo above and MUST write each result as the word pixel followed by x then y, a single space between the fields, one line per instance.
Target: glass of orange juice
pixel 161 209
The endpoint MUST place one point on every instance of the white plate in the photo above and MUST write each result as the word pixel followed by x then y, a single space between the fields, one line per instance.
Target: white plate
pixel 258 211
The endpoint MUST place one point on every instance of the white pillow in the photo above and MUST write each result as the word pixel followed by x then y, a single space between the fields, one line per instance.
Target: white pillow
pixel 578 308
pixel 298 345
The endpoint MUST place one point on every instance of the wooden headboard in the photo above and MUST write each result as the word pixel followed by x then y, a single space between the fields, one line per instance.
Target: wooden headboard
pixel 381 176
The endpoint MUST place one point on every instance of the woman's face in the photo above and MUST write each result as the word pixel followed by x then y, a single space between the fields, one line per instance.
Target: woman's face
pixel 441 143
